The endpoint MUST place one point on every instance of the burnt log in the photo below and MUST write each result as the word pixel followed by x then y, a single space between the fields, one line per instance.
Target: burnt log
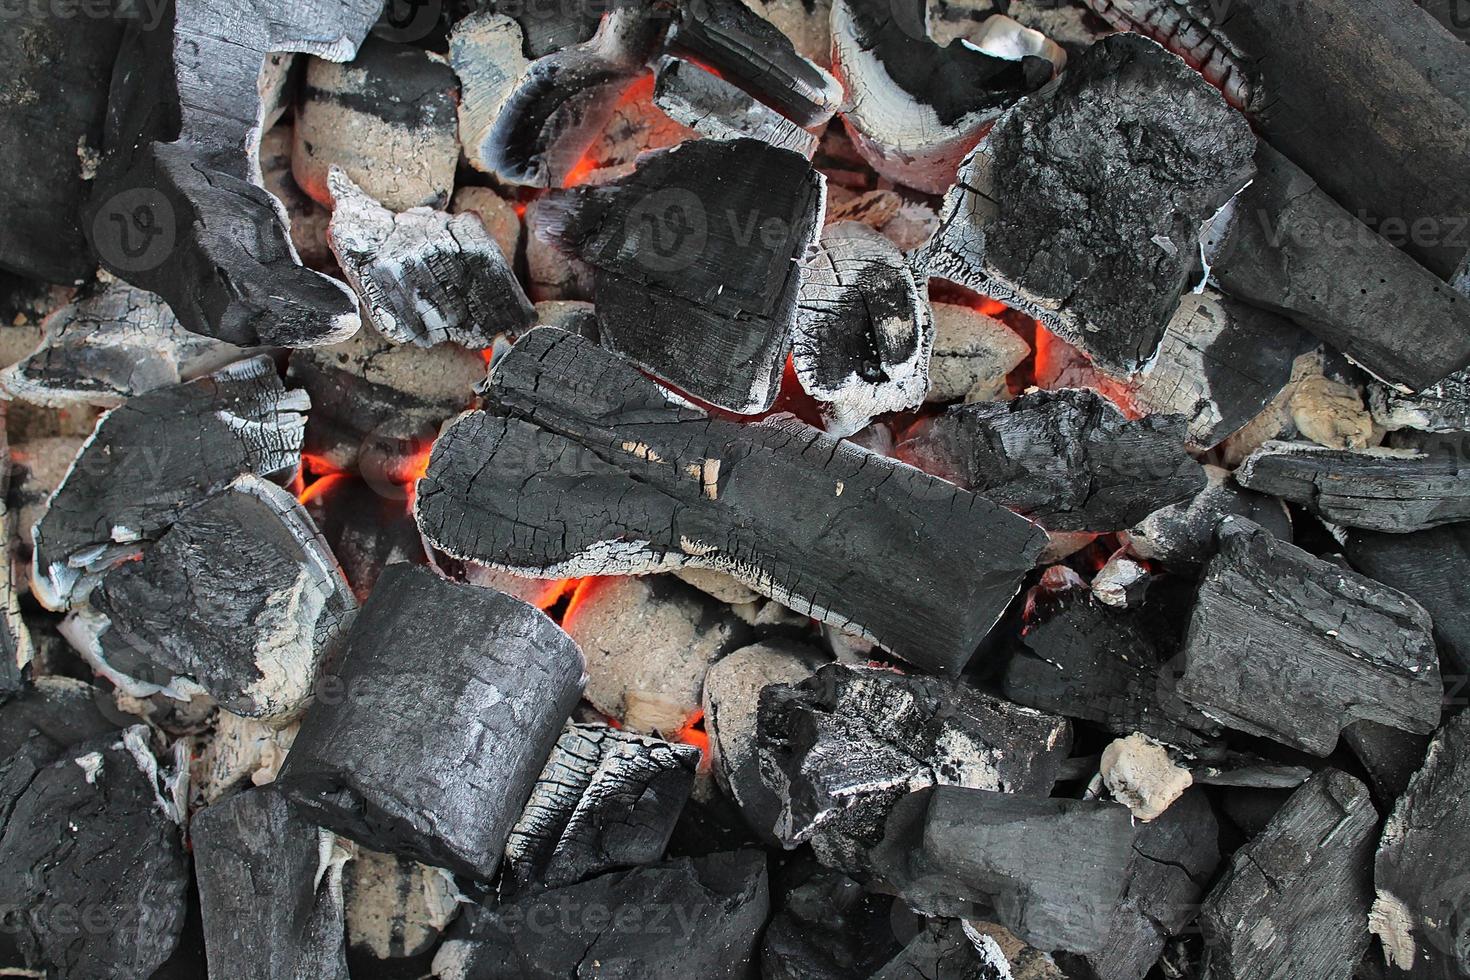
pixel 270 888
pixel 487 52
pixel 428 738
pixel 592 461
pixel 1433 568
pixel 1182 535
pixel 695 263
pixel 1067 459
pixel 156 456
pixel 1293 648
pixel 1058 214
pixel 1441 407
pixel 718 109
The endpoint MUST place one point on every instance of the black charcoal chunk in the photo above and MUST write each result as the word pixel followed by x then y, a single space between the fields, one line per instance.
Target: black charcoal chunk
pixel 1433 568
pixel 1182 535
pixel 594 470
pixel 950 949
pixel 828 928
pixel 718 109
pixel 56 712
pixel 1390 757
pixel 428 739
pixel 270 887
pixel 1288 646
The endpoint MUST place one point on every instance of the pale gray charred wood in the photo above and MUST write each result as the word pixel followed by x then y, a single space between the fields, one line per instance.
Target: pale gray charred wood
pixel 1441 407
pixel 718 109
pixel 607 799
pixel 1392 490
pixel 1049 870
pixel 550 29
pixel 828 928
pixel 1083 205
pixel 488 52
pixel 863 331
pixel 1294 901
pixel 688 917
pixel 270 888
pixel 1068 459
pixel 1433 568
pixel 1288 247
pixel 395 908
pixel 157 455
pixel 425 276
pixel 367 527
pixel 177 207
pixel 428 739
pixel 1293 648
pixel 594 470
pixel 1421 873
pixel 1182 535
pixel 696 263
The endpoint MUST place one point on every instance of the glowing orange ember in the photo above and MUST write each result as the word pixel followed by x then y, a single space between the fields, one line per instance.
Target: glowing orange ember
pixel 320 486
pixel 692 733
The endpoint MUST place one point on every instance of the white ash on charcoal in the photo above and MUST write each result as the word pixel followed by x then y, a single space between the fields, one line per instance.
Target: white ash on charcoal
pixel 695 263
pixel 240 599
pixel 1182 536
pixel 1025 962
pixel 487 52
pixel 387 118
pixel 1420 872
pixel 94 871
pixel 553 274
pixel 1140 774
pixel 948 949
pixel 649 640
pixel 306 219
pixel 237 752
pixel 109 344
pixel 1380 489
pixel 914 109
pixel 497 215
pixel 828 927
pixel 366 525
pixel 972 355
pixel 178 206
pixel 718 109
pixel 270 889
pixel 445 701
pixel 863 332
pixel 154 457
pixel 1389 757
pixel 1049 870
pixel 1277 421
pixel 1060 177
pixel 607 799
pixel 1122 582
pixel 1441 407
pixel 584 472
pixel 1294 900
pixel 1287 646
pixel 1433 568
pixel 687 917
pixel 395 908
pixel 424 276
pixel 1069 459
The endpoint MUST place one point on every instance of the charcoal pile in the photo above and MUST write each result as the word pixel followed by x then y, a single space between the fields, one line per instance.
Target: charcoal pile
pixel 781 489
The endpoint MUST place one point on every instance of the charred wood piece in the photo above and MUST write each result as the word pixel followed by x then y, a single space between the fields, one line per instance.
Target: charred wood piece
pixel 1057 215
pixel 1390 757
pixel 718 109
pixel 1293 648
pixel 487 52
pixel 1431 567
pixel 446 701
pixel 829 927
pixel 1182 536
pixel 1187 28
pixel 54 713
pixel 585 472
pixel 951 949
pixel 1441 407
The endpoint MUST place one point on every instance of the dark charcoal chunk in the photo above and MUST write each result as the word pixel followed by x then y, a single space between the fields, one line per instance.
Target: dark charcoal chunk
pixel 607 799
pixel 1188 28
pixel 270 889
pixel 596 471
pixel 1294 648
pixel 718 109
pixel 367 526
pixel 1182 535
pixel 427 741
pixel 945 949
pixel 684 918
pixel 695 256
pixel 1390 757
pixel 1068 459
pixel 1294 901
pixel 1083 205
pixel 1433 568
pixel 828 928
pixel 55 712
pixel 1050 870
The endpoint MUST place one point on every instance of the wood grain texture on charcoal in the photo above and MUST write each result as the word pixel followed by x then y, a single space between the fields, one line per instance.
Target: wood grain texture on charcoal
pixel 718 109
pixel 1432 567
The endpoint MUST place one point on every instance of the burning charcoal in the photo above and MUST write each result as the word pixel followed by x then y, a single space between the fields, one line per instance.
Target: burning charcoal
pixel 1394 490
pixel 1050 869
pixel 1118 235
pixel 387 119
pixel 915 108
pixel 156 456
pixel 1421 869
pixel 699 917
pixel 972 355
pixel 1068 459
pixel 1182 535
pixel 1291 248
pixel 1121 583
pixel 94 872
pixel 863 330
pixel 239 751
pixel 840 748
pixel 948 949
pixel 497 215
pixel 715 108
pixel 110 345
pixel 177 207
pixel 607 799
pixel 585 473
pixel 447 702
pixel 553 273
pixel 1294 901
pixel 1293 648
pixel 1433 568
pixel 906 223
pixel 1441 407
pixel 487 51
pixel 425 276
pixel 396 908
pixel 1219 365
pixel 367 526
pixel 695 257
pixel 1389 756
pixel 648 643
pixel 270 886
pixel 1140 774
pixel 828 928
pixel 240 598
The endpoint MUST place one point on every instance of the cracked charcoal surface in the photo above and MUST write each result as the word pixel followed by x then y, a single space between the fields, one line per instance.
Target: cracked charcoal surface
pixel 1188 28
